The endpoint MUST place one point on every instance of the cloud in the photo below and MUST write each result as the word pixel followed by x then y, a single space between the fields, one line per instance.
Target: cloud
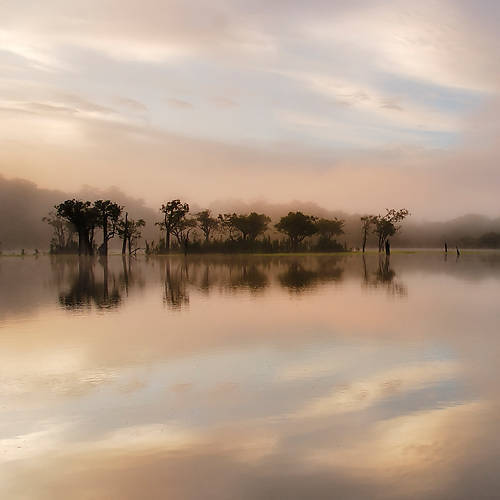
pixel 179 103
pixel 354 104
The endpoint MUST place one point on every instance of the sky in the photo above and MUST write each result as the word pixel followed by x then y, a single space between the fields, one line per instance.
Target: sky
pixel 357 105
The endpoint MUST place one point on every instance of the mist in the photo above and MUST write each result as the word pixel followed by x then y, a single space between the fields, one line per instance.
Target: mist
pixel 23 205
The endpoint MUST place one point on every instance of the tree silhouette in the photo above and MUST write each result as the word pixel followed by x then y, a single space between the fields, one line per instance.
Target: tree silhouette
pixel 130 231
pixel 63 231
pixel 250 226
pixel 207 223
pixel 327 230
pixel 183 229
pixel 108 214
pixel 84 218
pixel 173 213
pixel 297 227
pixel 387 225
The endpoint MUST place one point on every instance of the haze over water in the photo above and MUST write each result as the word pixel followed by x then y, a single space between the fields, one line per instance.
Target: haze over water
pixel 282 377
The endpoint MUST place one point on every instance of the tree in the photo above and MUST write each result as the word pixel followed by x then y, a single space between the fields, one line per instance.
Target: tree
pixel 123 232
pixel 183 229
pixel 328 228
pixel 63 232
pixel 108 214
pixel 366 223
pixel 129 231
pixel 173 213
pixel 207 223
pixel 226 223
pixel 250 226
pixel 388 225
pixel 84 219
pixel 134 234
pixel 297 227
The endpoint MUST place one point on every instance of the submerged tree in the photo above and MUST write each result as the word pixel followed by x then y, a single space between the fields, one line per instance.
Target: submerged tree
pixel 297 226
pixel 207 223
pixel 84 218
pixel 173 213
pixel 134 234
pixel 182 231
pixel 388 225
pixel 63 231
pixel 130 232
pixel 108 214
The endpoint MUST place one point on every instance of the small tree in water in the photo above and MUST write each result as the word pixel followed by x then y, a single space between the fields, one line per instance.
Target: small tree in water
pixel 388 225
pixel 63 232
pixel 130 232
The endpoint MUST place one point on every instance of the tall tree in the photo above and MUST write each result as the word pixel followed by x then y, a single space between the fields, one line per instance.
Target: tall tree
pixel 389 224
pixel 83 216
pixel 207 223
pixel 108 215
pixel 173 213
pixel 297 226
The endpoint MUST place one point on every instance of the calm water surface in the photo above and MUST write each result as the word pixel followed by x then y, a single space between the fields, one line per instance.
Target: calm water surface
pixel 249 378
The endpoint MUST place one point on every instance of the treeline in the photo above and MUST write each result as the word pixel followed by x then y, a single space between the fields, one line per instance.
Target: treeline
pixel 487 240
pixel 75 224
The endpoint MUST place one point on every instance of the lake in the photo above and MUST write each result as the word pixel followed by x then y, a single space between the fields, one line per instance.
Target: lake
pixel 250 377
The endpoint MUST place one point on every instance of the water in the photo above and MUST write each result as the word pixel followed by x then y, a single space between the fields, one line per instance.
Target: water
pixel 313 377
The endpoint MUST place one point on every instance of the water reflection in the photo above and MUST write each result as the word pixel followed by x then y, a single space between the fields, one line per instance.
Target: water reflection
pixel 258 376
pixel 87 282
pixel 299 277
pixel 176 281
pixel 384 276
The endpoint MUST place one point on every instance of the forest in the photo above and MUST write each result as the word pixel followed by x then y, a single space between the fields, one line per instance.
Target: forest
pixel 87 228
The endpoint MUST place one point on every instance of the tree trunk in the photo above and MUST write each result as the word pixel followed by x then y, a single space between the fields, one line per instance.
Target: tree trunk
pixel 364 241
pixel 125 235
pixel 105 236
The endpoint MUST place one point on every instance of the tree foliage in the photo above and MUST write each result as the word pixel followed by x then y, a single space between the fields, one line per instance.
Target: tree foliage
pixel 389 224
pixel 173 213
pixel 84 218
pixel 297 226
pixel 250 226
pixel 107 217
pixel 207 223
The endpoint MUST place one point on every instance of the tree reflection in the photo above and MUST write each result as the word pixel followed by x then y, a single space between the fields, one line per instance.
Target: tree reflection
pixel 383 276
pixel 176 278
pixel 248 276
pixel 299 277
pixel 90 288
